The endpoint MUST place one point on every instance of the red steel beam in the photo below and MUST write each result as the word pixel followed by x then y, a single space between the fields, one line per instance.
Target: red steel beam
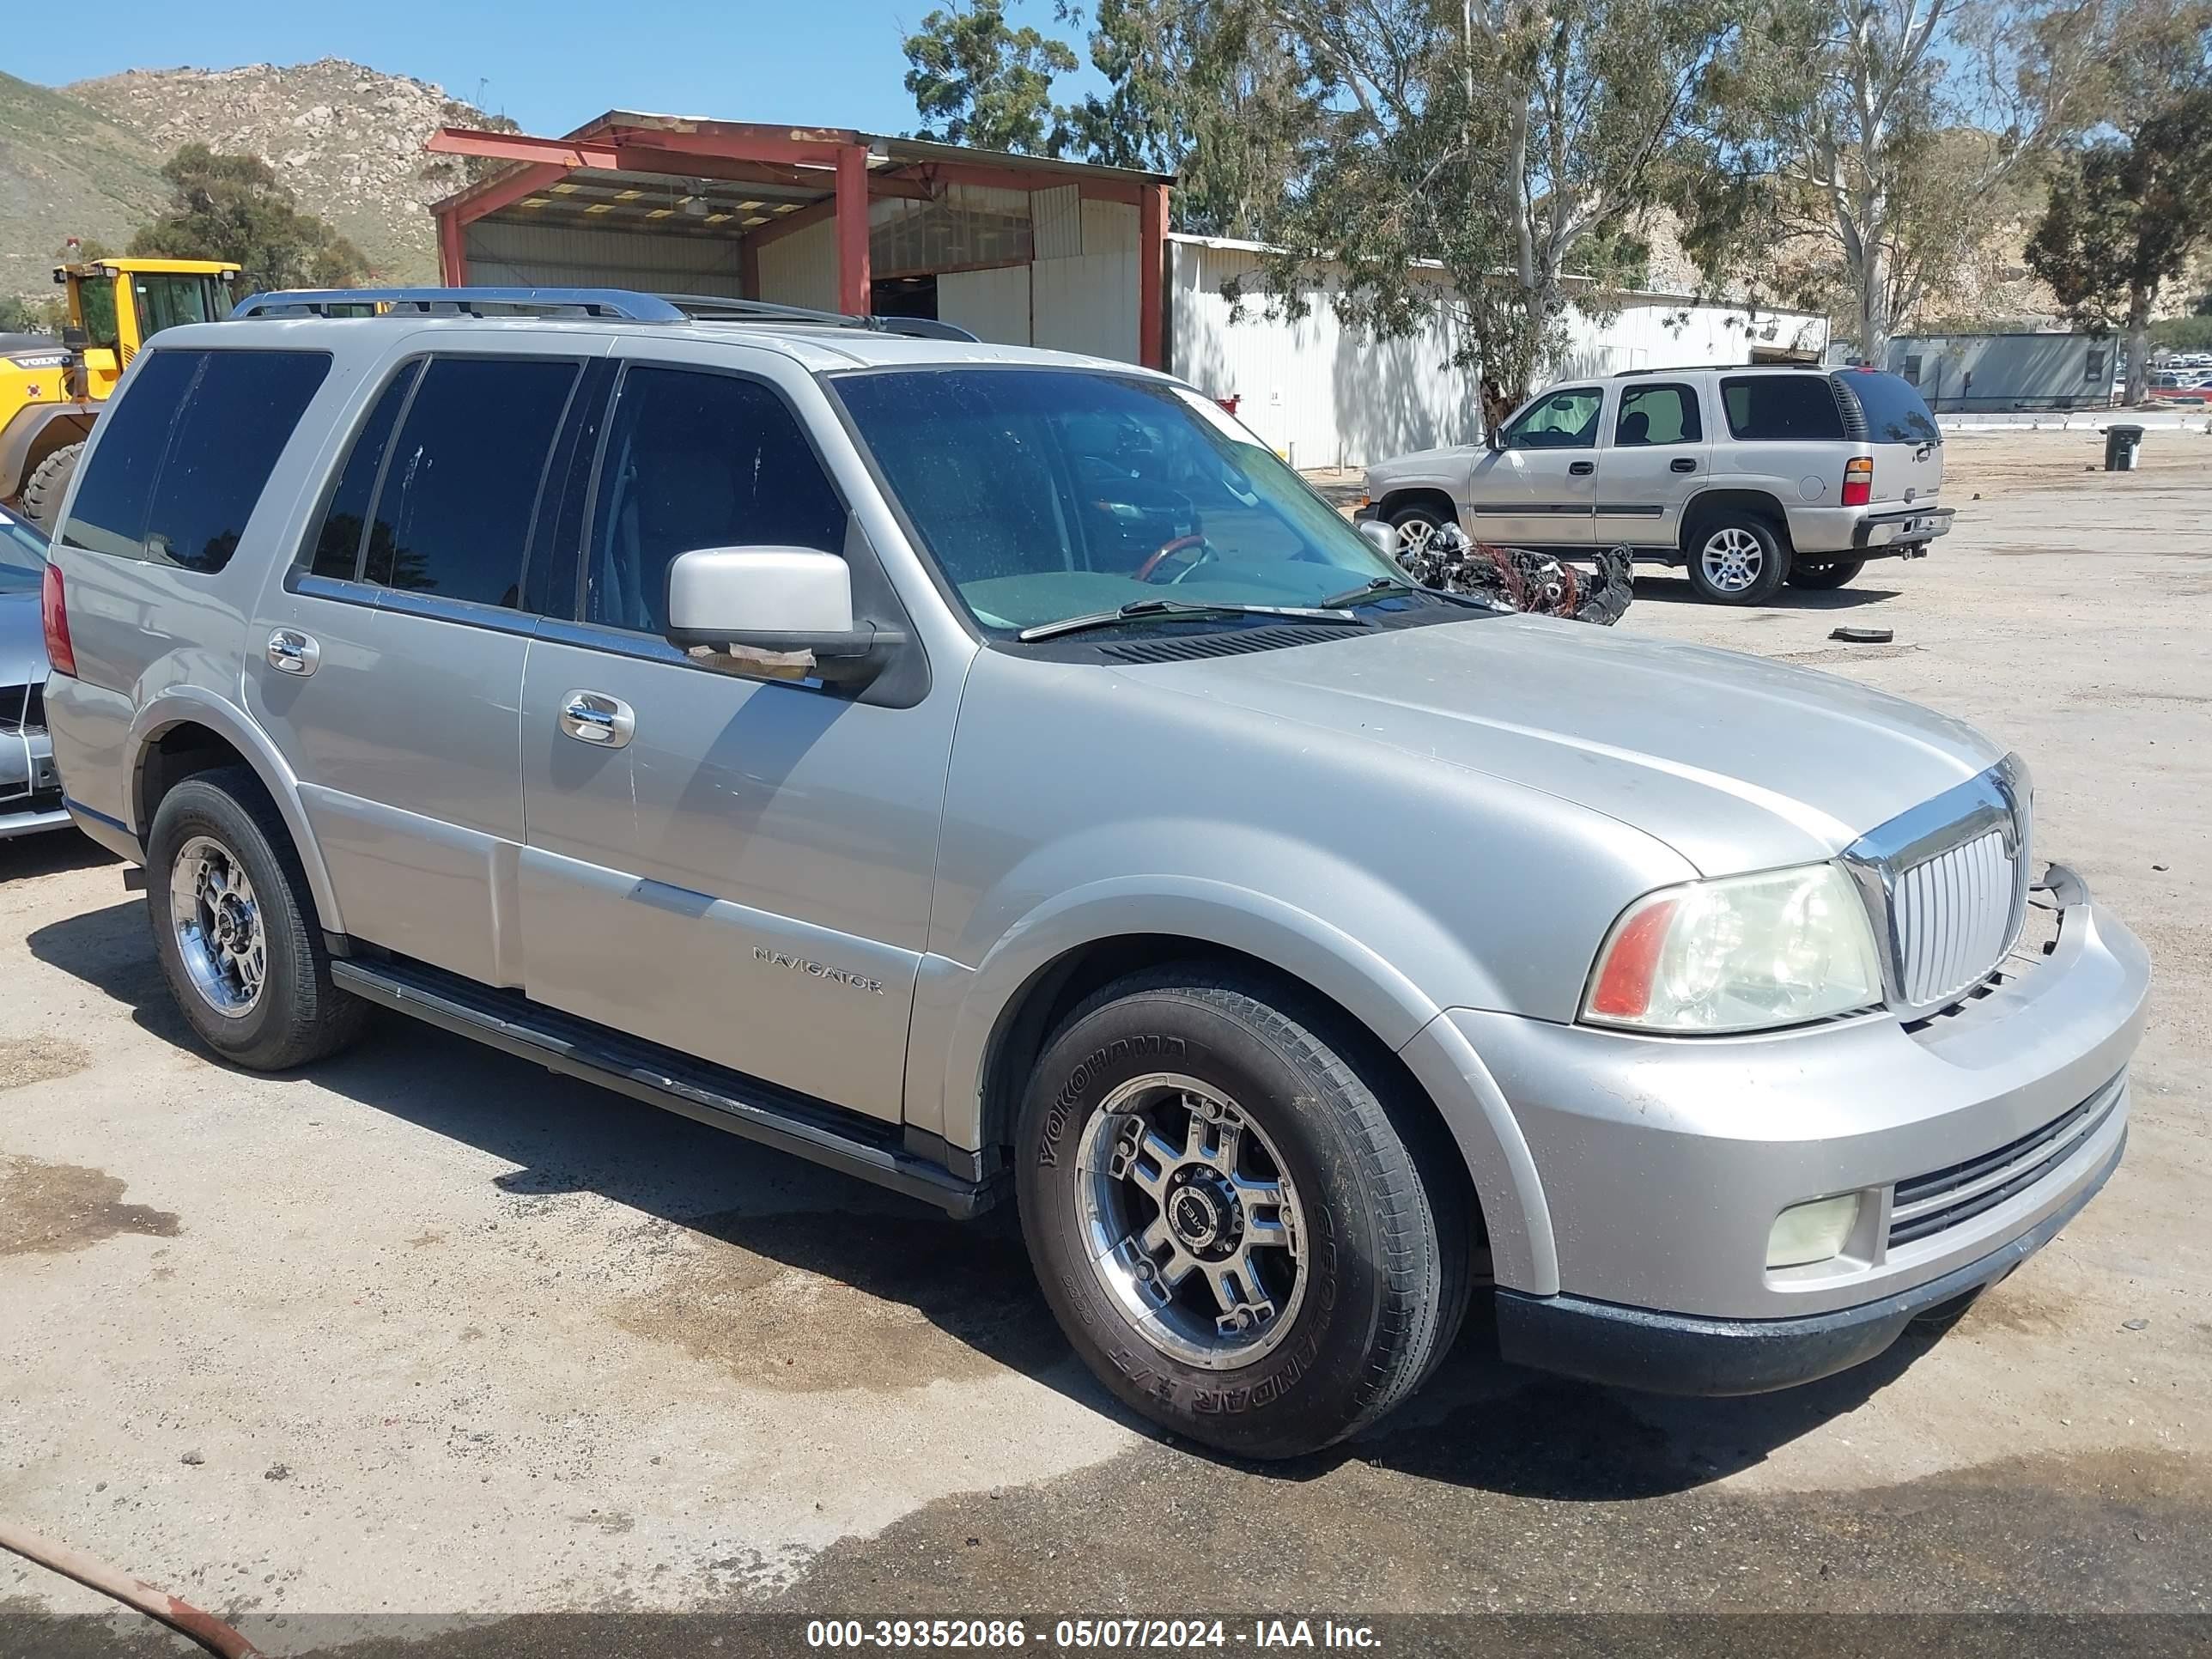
pixel 852 210
pixel 453 251
pixel 567 153
pixel 1151 277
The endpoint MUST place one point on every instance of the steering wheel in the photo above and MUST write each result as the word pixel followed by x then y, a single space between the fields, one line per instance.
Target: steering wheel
pixel 1167 550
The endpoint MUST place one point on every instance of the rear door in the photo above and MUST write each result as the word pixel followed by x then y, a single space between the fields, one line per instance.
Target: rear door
pixel 744 874
pixel 387 662
pixel 1906 444
pixel 1656 452
pixel 1540 489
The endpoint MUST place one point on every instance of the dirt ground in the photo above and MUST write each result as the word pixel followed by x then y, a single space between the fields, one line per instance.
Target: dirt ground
pixel 394 1352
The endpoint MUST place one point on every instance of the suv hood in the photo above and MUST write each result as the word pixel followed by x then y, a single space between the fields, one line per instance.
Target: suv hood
pixel 1736 762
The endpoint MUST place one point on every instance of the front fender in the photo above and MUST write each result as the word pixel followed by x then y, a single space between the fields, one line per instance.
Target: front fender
pixel 185 704
pixel 970 1010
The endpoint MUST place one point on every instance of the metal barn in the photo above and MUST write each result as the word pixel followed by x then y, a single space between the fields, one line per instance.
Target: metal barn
pixel 1019 249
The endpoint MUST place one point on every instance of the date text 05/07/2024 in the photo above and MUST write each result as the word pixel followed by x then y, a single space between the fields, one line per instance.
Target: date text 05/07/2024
pixel 1130 1634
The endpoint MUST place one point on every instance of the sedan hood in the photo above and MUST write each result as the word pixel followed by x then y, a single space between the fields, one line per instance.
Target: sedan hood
pixel 22 644
pixel 1736 762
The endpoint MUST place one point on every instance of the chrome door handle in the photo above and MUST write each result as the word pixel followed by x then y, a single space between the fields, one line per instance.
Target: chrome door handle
pixel 593 717
pixel 291 651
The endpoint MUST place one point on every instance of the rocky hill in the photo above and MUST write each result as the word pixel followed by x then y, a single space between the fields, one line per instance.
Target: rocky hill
pixel 84 158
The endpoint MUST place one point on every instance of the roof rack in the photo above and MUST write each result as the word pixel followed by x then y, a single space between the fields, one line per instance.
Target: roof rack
pixel 1691 368
pixel 621 304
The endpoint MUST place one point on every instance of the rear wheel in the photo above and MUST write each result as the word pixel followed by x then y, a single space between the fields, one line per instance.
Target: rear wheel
pixel 48 482
pixel 234 929
pixel 1735 557
pixel 1243 1231
pixel 1828 574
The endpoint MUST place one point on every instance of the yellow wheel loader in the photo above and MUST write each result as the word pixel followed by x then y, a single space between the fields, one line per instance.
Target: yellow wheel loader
pixel 51 390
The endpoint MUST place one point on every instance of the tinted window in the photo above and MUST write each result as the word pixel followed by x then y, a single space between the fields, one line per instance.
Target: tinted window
pixel 23 555
pixel 1783 408
pixel 186 454
pixel 697 460
pixel 452 517
pixel 1657 415
pixel 1894 412
pixel 1562 420
pixel 335 549
pixel 109 513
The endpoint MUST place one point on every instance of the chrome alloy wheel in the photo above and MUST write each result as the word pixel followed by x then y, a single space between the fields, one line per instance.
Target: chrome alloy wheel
pixel 1190 1221
pixel 217 921
pixel 1414 536
pixel 1732 559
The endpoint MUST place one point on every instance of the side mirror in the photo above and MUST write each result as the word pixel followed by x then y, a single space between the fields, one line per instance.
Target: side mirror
pixel 74 339
pixel 773 612
pixel 1383 536
pixel 1494 439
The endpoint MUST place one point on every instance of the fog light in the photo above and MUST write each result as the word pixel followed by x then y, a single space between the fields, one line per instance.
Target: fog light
pixel 1806 1233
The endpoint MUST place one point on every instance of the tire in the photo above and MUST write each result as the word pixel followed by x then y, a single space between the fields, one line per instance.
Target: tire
pixel 1417 527
pixel 1735 557
pixel 1267 1084
pixel 48 483
pixel 214 831
pixel 1828 574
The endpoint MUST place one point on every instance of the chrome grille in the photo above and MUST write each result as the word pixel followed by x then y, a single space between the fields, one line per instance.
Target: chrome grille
pixel 1956 915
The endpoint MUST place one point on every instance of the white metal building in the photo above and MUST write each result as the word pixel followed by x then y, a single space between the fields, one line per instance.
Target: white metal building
pixel 1327 396
pixel 2051 370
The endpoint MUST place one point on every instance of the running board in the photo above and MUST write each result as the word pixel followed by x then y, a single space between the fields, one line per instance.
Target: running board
pixel 761 1111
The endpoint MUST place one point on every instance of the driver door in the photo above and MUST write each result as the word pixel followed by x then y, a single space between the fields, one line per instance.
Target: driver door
pixel 1540 489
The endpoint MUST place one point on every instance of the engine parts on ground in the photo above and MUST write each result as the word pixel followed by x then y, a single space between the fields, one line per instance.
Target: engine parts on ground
pixel 1523 579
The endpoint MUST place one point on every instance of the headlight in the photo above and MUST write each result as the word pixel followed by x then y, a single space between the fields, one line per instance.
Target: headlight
pixel 1743 953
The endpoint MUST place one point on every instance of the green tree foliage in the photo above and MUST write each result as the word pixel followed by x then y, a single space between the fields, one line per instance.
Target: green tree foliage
pixel 21 316
pixel 1860 150
pixel 979 81
pixel 1209 91
pixel 1507 143
pixel 233 207
pixel 2131 205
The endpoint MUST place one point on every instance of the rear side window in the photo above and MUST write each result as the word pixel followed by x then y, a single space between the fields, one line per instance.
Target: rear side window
pixel 1783 409
pixel 185 456
pixel 336 551
pixel 1657 415
pixel 1895 412
pixel 697 460
pixel 459 489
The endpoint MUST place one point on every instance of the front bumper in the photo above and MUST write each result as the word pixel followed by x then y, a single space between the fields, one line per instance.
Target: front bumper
pixel 30 790
pixel 1664 1161
pixel 1678 1354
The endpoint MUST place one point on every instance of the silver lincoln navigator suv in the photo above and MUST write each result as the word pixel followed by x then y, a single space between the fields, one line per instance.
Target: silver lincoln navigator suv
pixel 994 774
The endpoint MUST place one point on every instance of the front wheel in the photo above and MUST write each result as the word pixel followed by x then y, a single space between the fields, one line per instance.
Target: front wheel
pixel 1417 527
pixel 1247 1239
pixel 234 929
pixel 1736 558
pixel 1829 574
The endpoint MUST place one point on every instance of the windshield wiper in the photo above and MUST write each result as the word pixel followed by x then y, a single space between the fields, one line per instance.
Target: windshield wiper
pixel 1376 587
pixel 1177 610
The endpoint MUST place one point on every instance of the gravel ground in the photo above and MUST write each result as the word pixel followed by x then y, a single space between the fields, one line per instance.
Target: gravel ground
pixel 392 1353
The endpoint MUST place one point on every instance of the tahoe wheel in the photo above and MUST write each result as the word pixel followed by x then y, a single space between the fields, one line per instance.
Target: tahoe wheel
pixel 1827 573
pixel 1242 1231
pixel 1417 527
pixel 1736 558
pixel 234 929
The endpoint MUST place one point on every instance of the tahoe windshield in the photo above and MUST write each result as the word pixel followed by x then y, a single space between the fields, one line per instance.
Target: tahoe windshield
pixel 1047 494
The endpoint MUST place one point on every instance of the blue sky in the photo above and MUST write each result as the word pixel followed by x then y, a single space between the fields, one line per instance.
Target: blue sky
pixel 551 65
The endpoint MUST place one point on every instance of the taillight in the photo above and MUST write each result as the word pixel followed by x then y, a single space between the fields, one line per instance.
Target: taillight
pixel 53 613
pixel 1858 481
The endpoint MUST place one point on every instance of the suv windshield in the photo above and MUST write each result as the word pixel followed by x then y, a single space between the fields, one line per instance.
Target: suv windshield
pixel 1047 494
pixel 166 299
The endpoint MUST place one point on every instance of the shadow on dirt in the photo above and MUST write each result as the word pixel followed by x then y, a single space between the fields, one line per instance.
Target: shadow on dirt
pixel 879 1266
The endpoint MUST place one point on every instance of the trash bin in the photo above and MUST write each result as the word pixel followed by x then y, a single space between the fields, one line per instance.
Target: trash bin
pixel 2121 443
